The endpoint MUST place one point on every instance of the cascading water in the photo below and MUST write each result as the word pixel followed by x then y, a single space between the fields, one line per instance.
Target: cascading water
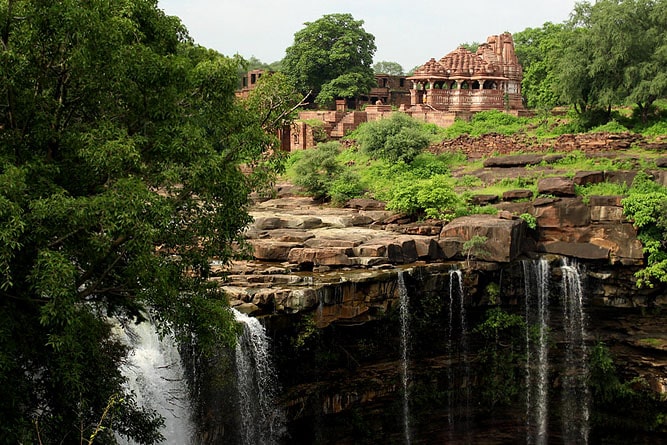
pixel 262 423
pixel 576 396
pixel 457 297
pixel 536 284
pixel 404 309
pixel 155 374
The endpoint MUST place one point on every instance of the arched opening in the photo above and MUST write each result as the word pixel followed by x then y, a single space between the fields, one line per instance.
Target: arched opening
pixel 465 85
pixel 490 85
pixel 454 85
pixel 475 85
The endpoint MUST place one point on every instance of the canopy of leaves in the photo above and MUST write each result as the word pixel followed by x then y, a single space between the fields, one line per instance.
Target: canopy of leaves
pixel 390 68
pixel 120 151
pixel 538 50
pixel 614 52
pixel 333 46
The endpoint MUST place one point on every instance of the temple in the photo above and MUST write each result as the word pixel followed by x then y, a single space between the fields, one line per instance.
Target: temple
pixel 463 81
pixel 438 92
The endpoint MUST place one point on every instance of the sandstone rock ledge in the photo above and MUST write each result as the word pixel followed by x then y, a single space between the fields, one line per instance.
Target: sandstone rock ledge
pixel 342 263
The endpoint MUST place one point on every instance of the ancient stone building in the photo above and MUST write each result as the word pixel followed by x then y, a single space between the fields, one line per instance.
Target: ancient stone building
pixel 463 81
pixel 249 82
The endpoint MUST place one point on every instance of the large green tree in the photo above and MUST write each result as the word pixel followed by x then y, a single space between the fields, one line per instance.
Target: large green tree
pixel 386 67
pixel 333 54
pixel 538 51
pixel 120 151
pixel 615 52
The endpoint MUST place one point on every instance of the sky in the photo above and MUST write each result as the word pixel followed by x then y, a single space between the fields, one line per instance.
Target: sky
pixel 407 32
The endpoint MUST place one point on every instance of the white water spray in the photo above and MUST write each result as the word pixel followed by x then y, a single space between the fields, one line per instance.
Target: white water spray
pixel 262 423
pixel 537 350
pixel 155 374
pixel 576 396
pixel 457 297
pixel 405 356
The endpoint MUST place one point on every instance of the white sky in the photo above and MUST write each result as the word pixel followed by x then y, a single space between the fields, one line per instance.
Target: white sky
pixel 407 32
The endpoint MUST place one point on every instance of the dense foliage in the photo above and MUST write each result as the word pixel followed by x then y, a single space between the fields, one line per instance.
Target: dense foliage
pixel 611 52
pixel 332 57
pixel 620 405
pixel 397 138
pixel 120 147
pixel 646 206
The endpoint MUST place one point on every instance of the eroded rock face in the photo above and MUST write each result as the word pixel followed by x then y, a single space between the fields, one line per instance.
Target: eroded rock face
pixel 303 250
pixel 504 237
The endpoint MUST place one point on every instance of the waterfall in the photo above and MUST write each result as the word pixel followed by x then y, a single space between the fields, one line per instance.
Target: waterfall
pixel 537 350
pixel 262 422
pixel 404 302
pixel 575 396
pixel 155 374
pixel 457 297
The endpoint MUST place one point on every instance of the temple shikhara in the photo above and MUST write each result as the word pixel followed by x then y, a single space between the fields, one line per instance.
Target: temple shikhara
pixel 458 85
pixel 464 81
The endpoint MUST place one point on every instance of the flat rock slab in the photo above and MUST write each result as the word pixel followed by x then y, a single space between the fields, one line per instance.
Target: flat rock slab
pixel 577 250
pixel 556 187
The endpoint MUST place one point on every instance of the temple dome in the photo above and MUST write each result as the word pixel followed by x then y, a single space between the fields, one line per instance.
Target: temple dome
pixel 463 62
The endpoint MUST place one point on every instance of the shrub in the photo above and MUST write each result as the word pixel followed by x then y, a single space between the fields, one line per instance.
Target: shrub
pixel 397 138
pixel 609 127
pixel 433 198
pixel 346 186
pixel 530 220
pixel 646 206
pixel 317 168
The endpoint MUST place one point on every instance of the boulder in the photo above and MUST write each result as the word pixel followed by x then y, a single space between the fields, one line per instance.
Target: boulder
pixel 556 187
pixel 588 177
pixel 515 195
pixel 661 162
pixel 331 256
pixel 484 199
pixel 268 223
pixel 566 212
pixel 621 177
pixel 269 250
pixel 450 246
pixel 308 222
pixel 402 250
pixel 504 237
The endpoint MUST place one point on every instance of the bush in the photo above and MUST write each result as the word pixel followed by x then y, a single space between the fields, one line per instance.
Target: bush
pixel 646 206
pixel 433 198
pixel 345 187
pixel 609 127
pixel 317 168
pixel 397 138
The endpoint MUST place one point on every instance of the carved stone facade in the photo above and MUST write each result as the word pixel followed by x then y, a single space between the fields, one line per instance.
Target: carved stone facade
pixel 463 81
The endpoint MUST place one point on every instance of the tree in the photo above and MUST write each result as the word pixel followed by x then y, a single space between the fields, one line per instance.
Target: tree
pixel 120 151
pixel 538 50
pixel 472 47
pixel 330 54
pixel 390 68
pixel 615 52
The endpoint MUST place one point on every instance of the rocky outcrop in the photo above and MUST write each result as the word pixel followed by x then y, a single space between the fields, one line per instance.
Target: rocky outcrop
pixel 503 238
